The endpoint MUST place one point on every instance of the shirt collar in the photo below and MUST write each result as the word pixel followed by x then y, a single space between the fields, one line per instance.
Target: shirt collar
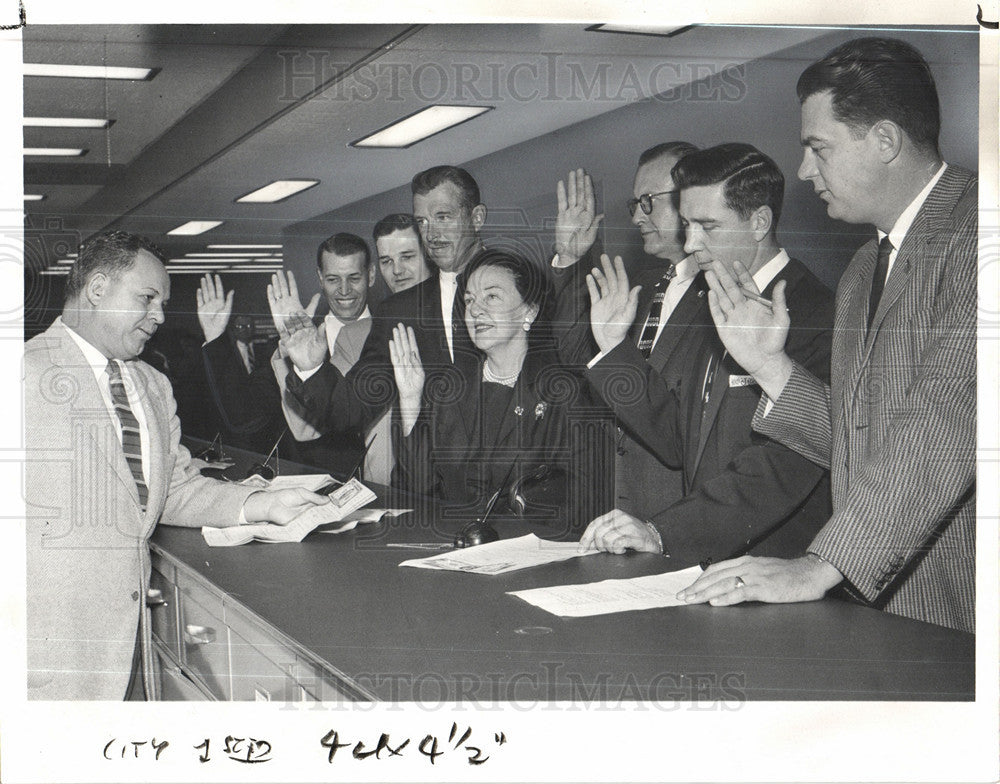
pixel 685 269
pixel 905 220
pixel 95 358
pixel 330 317
pixel 763 277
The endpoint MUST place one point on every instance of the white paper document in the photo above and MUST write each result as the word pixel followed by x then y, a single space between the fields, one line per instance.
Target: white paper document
pixel 611 596
pixel 368 515
pixel 507 555
pixel 343 501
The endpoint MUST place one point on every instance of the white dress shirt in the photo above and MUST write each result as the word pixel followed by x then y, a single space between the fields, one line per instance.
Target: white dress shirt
pixel 99 365
pixel 905 220
pixel 449 285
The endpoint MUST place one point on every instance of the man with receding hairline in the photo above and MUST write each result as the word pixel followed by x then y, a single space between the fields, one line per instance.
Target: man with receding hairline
pixel 643 483
pixel 105 466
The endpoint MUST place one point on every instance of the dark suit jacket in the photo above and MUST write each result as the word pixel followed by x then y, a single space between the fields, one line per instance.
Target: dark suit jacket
pixel 332 401
pixel 249 405
pixel 742 491
pixel 551 420
pixel 644 484
pixel 898 424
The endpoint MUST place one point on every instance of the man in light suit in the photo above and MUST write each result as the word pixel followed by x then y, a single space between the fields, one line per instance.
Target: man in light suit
pixel 742 492
pixel 644 484
pixel 104 466
pixel 897 425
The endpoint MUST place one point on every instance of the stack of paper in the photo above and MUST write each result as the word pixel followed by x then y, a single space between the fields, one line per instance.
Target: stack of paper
pixel 611 596
pixel 345 499
pixel 507 555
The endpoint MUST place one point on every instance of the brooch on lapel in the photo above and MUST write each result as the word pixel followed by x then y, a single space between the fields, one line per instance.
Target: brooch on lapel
pixel 540 410
pixel 519 410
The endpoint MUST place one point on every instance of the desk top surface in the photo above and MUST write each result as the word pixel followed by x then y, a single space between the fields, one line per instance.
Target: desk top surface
pixel 416 634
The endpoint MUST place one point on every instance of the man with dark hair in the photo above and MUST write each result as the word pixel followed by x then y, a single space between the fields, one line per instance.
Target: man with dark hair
pixel 668 301
pixel 104 466
pixel 741 492
pixel 449 215
pixel 897 426
pixel 400 256
pixel 254 405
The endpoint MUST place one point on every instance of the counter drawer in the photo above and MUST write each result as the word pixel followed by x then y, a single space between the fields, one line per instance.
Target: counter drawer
pixel 205 640
pixel 164 609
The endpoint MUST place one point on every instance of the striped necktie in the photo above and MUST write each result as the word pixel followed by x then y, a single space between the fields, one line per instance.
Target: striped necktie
pixel 131 443
pixel 648 335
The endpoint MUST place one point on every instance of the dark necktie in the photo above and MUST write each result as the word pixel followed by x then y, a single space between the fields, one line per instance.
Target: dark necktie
pixel 878 280
pixel 648 335
pixel 131 444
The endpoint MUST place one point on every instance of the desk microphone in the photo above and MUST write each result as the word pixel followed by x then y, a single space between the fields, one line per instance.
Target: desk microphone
pixel 479 531
pixel 263 470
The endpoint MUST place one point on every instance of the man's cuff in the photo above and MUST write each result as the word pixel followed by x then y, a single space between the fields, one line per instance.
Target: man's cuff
pixel 305 375
pixel 600 355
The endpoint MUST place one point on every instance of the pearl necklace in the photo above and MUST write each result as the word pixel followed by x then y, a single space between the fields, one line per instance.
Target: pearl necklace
pixel 507 381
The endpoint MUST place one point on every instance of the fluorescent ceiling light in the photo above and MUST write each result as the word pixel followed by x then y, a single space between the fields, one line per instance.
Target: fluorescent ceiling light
pixel 66 261
pixel 65 122
pixel 34 196
pixel 238 247
pixel 55 271
pixel 279 190
pixel 89 71
pixel 662 31
pixel 66 152
pixel 194 227
pixel 422 125
pixel 252 270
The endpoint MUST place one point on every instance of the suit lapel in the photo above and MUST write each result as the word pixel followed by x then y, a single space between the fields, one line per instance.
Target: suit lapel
pixel 156 424
pixel 685 314
pixel 725 366
pixel 70 359
pixel 931 219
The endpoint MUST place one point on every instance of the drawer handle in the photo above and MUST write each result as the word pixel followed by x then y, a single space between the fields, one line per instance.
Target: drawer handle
pixel 198 635
pixel 154 598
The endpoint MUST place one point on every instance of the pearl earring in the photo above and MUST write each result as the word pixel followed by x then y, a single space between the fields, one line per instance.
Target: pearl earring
pixel 527 325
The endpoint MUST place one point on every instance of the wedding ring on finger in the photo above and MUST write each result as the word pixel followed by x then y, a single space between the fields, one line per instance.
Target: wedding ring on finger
pixel 740 583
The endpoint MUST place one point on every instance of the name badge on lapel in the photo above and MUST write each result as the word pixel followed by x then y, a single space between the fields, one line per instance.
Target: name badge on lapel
pixel 741 381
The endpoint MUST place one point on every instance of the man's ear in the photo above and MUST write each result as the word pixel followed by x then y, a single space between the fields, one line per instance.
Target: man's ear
pixel 888 138
pixel 97 287
pixel 761 221
pixel 371 272
pixel 479 216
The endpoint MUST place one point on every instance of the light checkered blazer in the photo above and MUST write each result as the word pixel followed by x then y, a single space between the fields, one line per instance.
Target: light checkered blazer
pixel 897 428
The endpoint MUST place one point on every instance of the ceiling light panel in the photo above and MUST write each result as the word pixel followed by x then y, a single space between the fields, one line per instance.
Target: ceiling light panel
pixel 56 152
pixel 422 125
pixel 279 190
pixel 65 122
pixel 89 71
pixel 194 227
